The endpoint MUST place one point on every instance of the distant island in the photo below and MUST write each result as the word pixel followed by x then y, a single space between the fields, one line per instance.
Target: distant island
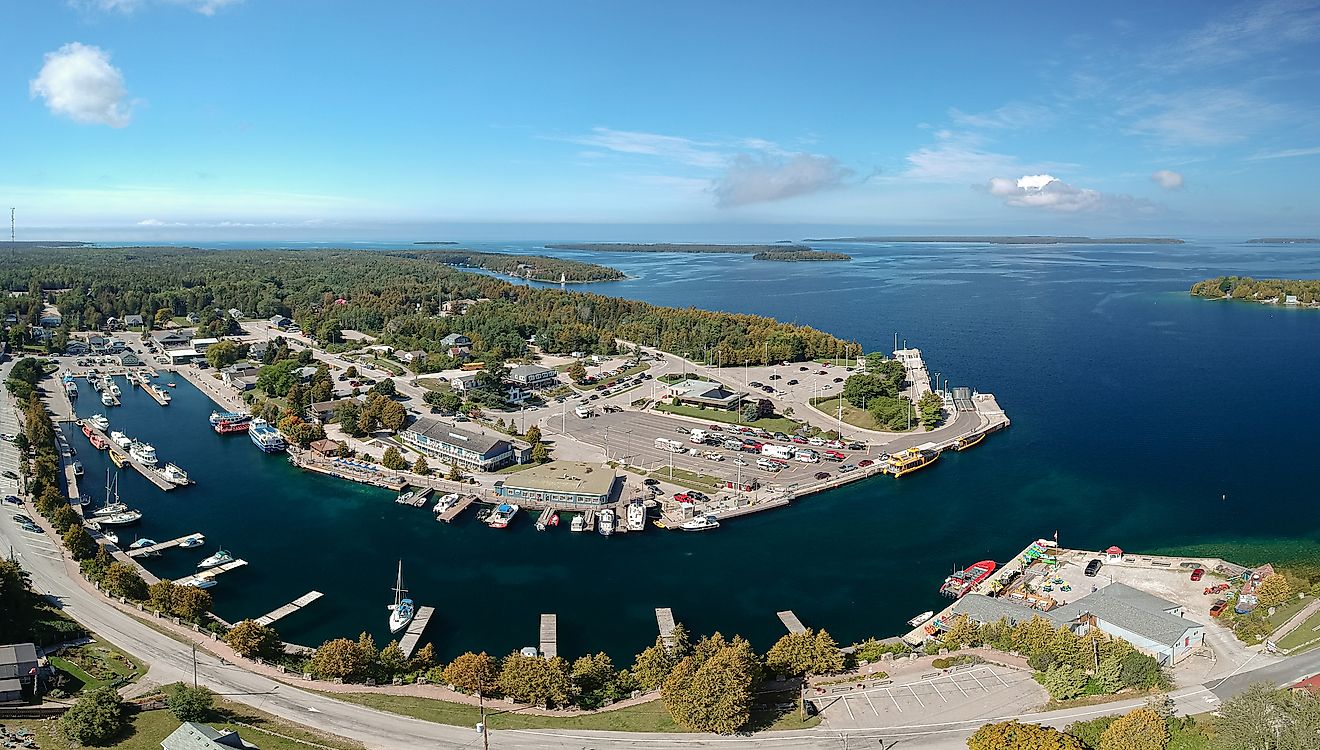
pixel 1291 292
pixel 435 242
pixel 1285 241
pixel 530 267
pixel 1013 240
pixel 779 252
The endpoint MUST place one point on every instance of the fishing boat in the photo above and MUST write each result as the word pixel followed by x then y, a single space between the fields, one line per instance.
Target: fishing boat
pixel 98 421
pixel 265 437
pixel 501 516
pixel 118 458
pixel 963 581
pixel 910 460
pixel 143 453
pixel 606 526
pixel 175 475
pixel 120 439
pixel 401 611
pixel 924 616
pixel 964 443
pixel 579 523
pixel 636 516
pixel 219 558
pixel 699 523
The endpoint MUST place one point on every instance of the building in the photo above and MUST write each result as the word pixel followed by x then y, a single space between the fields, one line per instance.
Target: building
pixel 326 448
pixel 322 412
pixel 533 376
pixel 129 359
pixel 280 322
pixel 235 313
pixel 50 320
pixel 193 736
pixel 412 356
pixel 463 383
pixel 21 673
pixel 193 318
pixel 133 321
pixel 245 383
pixel 76 348
pixel 167 340
pixel 704 393
pixel 1154 625
pixel 982 609
pixel 238 370
pixel 257 349
pixel 456 344
pixel 201 345
pixel 181 356
pixel 470 450
pixel 563 484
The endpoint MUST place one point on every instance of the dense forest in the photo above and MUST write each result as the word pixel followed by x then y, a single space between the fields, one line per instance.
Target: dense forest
pixel 391 295
pixel 534 267
pixel 782 252
pixel 1307 291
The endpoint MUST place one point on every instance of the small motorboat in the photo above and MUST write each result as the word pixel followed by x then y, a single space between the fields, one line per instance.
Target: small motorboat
pixel 171 385
pixel 700 523
pixel 142 544
pixel 219 558
pixel 196 540
pixel 921 618
pixel 554 519
pixel 579 523
pixel 200 582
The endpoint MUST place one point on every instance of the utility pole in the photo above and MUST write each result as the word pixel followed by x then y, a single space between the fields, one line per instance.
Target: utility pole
pixel 485 736
pixel 11 224
pixel 194 654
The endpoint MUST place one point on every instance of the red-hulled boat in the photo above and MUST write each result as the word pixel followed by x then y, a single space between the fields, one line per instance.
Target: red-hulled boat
pixel 87 432
pixel 97 441
pixel 966 579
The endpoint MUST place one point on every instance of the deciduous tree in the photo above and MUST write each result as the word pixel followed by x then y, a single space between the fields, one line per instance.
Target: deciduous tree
pixel 536 680
pixel 251 639
pixel 392 459
pixel 473 673
pixel 1274 590
pixel 1012 735
pixel 122 579
pixel 96 718
pixel 1142 729
pixel 79 543
pixel 189 703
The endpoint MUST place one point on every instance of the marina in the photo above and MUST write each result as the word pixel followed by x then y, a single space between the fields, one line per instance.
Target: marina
pixel 187 541
pixel 274 616
pixel 456 507
pixel 150 472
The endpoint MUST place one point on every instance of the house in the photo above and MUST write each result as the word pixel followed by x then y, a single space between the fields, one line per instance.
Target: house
pixel 201 345
pixel 516 394
pixel 172 339
pixel 280 322
pixel 325 448
pixel 704 393
pixel 129 359
pixel 1153 625
pixel 245 383
pixel 235 313
pixel 463 383
pixel 533 376
pixel 50 320
pixel 381 349
pixel 257 350
pixel 456 341
pixel 113 324
pixel 470 450
pixel 193 736
pixel 323 412
pixel 412 356
pixel 1309 685
pixel 21 673
pixel 238 370
pixel 193 318
pixel 133 321
pixel 562 484
pixel 305 373
pixel 76 348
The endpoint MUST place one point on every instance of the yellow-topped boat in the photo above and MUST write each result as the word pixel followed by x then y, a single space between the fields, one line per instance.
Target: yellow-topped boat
pixel 969 441
pixel 119 458
pixel 908 461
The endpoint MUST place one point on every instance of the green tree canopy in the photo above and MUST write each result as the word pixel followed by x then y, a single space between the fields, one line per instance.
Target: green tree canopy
pixel 1012 735
pixel 96 718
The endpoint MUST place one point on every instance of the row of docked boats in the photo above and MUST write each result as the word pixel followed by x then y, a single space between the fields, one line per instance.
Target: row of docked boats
pixel 123 448
pixel 260 432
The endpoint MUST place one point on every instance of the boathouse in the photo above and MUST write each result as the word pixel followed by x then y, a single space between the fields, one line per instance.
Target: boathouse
pixel 470 450
pixel 562 484
pixel 20 673
pixel 1154 625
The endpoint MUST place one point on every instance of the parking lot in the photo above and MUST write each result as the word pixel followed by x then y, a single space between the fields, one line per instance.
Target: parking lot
pixel 960 694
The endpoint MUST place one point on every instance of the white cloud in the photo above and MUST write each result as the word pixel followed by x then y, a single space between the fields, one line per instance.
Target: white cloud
pixel 205 7
pixel 1046 192
pixel 1287 153
pixel 1201 117
pixel 957 157
pixel 751 179
pixel 1168 179
pixel 1250 30
pixel 1015 116
pixel 684 150
pixel 77 81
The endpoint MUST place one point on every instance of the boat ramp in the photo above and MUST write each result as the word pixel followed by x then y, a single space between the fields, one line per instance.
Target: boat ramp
pixel 408 644
pixel 153 549
pixel 288 609
pixel 212 572
pixel 549 636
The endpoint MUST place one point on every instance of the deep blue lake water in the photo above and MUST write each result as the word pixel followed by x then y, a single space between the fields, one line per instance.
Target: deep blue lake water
pixel 1141 417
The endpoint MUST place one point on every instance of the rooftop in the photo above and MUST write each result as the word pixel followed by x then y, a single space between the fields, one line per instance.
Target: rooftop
pixel 983 609
pixel 436 430
pixel 193 736
pixel 1131 609
pixel 565 476
pixel 523 371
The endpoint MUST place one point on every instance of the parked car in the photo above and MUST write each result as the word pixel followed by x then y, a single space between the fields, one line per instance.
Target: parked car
pixel 822 475
pixel 1196 574
pixel 740 462
pixel 768 389
pixel 865 462
pixel 682 430
pixel 12 500
pixel 799 440
pixel 1092 568
pixel 792 382
pixel 754 384
pixel 10 475
pixel 846 468
pixel 803 369
pixel 776 377
pixel 714 428
pixel 21 518
pixel 650 481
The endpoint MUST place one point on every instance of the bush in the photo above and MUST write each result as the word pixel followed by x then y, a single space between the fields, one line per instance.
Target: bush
pixel 189 703
pixel 95 719
pixel 250 639
pixel 1064 682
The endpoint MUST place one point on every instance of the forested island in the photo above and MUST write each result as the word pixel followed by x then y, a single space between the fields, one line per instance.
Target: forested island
pixel 1266 291
pixel 435 242
pixel 531 267
pixel 1285 241
pixel 397 297
pixel 1013 240
pixel 779 252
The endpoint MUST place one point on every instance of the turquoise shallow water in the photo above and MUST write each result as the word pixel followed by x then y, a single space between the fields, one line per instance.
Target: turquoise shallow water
pixel 1141 417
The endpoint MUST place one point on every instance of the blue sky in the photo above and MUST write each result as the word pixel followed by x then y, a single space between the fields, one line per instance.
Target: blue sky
pixel 264 119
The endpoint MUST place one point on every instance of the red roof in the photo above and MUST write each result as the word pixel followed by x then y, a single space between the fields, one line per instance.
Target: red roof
pixel 1113 551
pixel 1310 684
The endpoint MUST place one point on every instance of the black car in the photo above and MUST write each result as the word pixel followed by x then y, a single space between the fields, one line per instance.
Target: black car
pixel 792 382
pixel 1093 567
pixel 10 475
pixel 754 384
pixel 775 377
pixel 838 380
pixel 650 481
pixel 768 389
pixel 803 369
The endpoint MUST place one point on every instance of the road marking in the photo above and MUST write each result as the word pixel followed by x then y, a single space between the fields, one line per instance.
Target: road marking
pixel 960 687
pixel 914 695
pixel 978 682
pixel 868 700
pixel 845 705
pixel 997 677
pixel 895 700
pixel 937 692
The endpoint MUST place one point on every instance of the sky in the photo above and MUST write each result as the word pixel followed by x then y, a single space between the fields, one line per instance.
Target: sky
pixel 294 119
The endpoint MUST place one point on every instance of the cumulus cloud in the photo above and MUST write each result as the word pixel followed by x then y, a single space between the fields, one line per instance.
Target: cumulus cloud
pixel 750 179
pixel 1045 192
pixel 77 81
pixel 1168 179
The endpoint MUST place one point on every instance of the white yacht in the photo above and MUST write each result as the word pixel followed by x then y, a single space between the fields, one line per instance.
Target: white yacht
pixel 99 422
pixel 200 582
pixel 174 474
pixel 636 516
pixel 606 522
pixel 446 502
pixel 143 453
pixel 401 611
pixel 195 540
pixel 107 399
pixel 219 558
pixel 579 523
pixel 501 516
pixel 700 523
pixel 113 387
pixel 123 518
pixel 120 439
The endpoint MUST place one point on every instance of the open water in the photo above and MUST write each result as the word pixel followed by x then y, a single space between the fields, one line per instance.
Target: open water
pixel 1141 417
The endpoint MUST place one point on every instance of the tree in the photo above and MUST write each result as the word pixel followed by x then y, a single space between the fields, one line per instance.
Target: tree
pixel 192 603
pixel 223 354
pixel 423 659
pixel 1266 718
pixel 393 460
pixel 533 435
pixel 79 543
pixel 764 408
pixel 473 673
pixel 1063 682
pixel 251 639
pixel 1141 670
pixel 749 413
pixel 64 518
pixel 931 408
pixel 961 632
pixel 653 665
pixel 163 317
pixel 393 415
pixel 595 680
pixel 1011 735
pixel 710 690
pixel 17 603
pixel 446 401
pixel 392 661
pixel 96 718
pixel 1141 729
pixel 1274 590
pixel 455 474
pixel 161 596
pixel 279 378
pixel 535 680
pixel 339 658
pixel 122 579
pixel 385 387
pixel 862 389
pixel 540 453
pixel 577 372
pixel 189 703
pixel 421 467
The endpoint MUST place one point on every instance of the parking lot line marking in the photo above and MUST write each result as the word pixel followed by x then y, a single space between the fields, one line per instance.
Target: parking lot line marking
pixel 997 677
pixel 960 687
pixel 978 682
pixel 845 705
pixel 895 700
pixel 918 697
pixel 936 688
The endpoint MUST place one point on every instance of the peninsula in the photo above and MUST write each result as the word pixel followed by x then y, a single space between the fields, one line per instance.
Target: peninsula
pixel 1292 292
pixel 530 267
pixel 779 252
pixel 1012 240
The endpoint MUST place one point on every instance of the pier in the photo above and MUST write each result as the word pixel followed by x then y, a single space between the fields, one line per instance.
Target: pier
pixel 344 470
pixel 416 499
pixel 549 636
pixel 212 572
pixel 152 475
pixel 153 549
pixel 158 394
pixel 118 554
pixel 664 618
pixel 288 609
pixel 408 644
pixel 589 520
pixel 544 520
pixel 791 622
pixel 452 512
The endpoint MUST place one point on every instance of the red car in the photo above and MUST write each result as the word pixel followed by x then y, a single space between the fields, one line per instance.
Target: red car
pixel 865 462
pixel 799 440
pixel 1196 574
pixel 714 428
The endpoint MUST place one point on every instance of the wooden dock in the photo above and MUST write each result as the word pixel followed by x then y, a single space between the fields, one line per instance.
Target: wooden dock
pixel 549 636
pixel 212 572
pixel 589 520
pixel 664 618
pixel 306 461
pixel 123 557
pixel 152 475
pixel 153 549
pixel 416 498
pixel 290 608
pixel 544 520
pixel 408 644
pixel 458 507
pixel 791 621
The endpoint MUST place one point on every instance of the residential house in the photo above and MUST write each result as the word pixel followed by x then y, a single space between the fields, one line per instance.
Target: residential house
pixel 193 318
pixel 533 376
pixel 323 412
pixel 449 444
pixel 238 370
pixel 257 350
pixel 235 313
pixel 22 674
pixel 76 348
pixel 412 356
pixel 456 342
pixel 305 373
pixel 51 320
pixel 465 382
pixel 280 322
pixel 193 736
pixel 133 321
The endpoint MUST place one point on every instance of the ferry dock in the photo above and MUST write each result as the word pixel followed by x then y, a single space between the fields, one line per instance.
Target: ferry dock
pixel 155 548
pixel 153 475
pixel 408 643
pixel 279 614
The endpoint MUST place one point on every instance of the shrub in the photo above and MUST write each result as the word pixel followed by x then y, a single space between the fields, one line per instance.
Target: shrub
pixel 189 703
pixel 95 719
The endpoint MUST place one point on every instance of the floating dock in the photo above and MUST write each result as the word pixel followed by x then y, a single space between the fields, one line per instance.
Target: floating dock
pixel 664 618
pixel 416 498
pixel 544 520
pixel 290 608
pixel 212 572
pixel 159 396
pixel 791 621
pixel 549 636
pixel 380 478
pixel 152 475
pixel 408 644
pixel 458 507
pixel 153 549
pixel 589 520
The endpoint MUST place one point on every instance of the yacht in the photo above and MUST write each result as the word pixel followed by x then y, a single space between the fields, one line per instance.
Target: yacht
pixel 175 475
pixel 107 399
pixel 200 582
pixel 77 468
pixel 219 558
pixel 579 523
pixel 195 540
pixel 125 518
pixel 228 416
pixel 446 502
pixel 99 422
pixel 606 522
pixel 699 523
pixel 143 453
pixel 120 439
pixel 921 618
pixel 636 516
pixel 265 437
pixel 401 611
pixel 501 516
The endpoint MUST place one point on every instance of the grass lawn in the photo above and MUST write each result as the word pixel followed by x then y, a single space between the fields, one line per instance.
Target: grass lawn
pixel 1307 635
pixel 771 424
pixel 854 416
pixel 1285 612
pixel 433 384
pixel 690 479
pixel 515 468
pixel 95 664
pixel 385 364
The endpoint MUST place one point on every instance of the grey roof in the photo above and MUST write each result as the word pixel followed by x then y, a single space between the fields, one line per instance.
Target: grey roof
pixel 455 339
pixel 522 372
pixel 193 736
pixel 1133 610
pixel 436 430
pixel 983 609
pixel 17 659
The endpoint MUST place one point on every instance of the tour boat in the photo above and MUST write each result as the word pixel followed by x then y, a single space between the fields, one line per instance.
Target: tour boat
pixel 500 518
pixel 143 453
pixel 401 611
pixel 219 558
pixel 126 518
pixel 194 540
pixel 200 582
pixel 265 437
pixel 174 474
pixel 636 516
pixel 606 526
pixel 699 523
pixel 99 422
pixel 118 458
pixel 579 523
pixel 963 581
pixel 228 416
pixel 120 439
pixel 908 461
pixel 924 616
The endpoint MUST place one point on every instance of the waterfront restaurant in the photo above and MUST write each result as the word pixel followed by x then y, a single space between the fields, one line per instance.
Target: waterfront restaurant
pixel 470 450
pixel 561 484
pixel 704 393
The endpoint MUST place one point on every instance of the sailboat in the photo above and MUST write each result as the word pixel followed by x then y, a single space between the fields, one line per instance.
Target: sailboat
pixel 401 611
pixel 110 508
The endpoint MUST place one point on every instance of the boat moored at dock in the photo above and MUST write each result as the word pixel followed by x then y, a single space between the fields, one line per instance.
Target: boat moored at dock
pixel 175 475
pixel 502 515
pixel 265 437
pixel 636 516
pixel 158 393
pixel 606 526
pixel 219 558
pixel 962 444
pixel 963 581
pixel 120 439
pixel 144 454
pixel 910 460
pixel 119 459
pixel 923 617
pixel 401 611
pixel 699 523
